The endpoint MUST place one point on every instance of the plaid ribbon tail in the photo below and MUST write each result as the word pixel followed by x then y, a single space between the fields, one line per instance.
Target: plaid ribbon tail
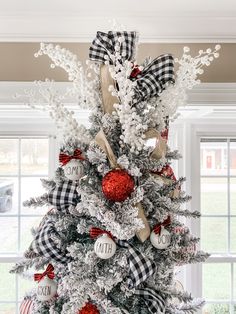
pixel 140 266
pixel 64 195
pixel 154 301
pixel 45 245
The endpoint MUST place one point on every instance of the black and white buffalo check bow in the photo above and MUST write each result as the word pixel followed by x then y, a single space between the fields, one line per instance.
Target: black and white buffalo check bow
pixel 103 46
pixel 154 301
pixel 140 266
pixel 45 243
pixel 154 78
pixel 64 195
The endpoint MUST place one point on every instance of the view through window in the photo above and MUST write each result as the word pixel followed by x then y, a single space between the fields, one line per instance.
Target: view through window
pixel 23 161
pixel 218 224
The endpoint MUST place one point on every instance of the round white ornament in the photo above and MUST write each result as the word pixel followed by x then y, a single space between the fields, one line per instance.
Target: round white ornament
pixel 105 247
pixel 47 289
pixel 179 288
pixel 160 241
pixel 74 169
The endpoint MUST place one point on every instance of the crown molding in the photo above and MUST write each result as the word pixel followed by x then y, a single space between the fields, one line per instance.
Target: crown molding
pixel 153 28
pixel 203 94
pixel 213 100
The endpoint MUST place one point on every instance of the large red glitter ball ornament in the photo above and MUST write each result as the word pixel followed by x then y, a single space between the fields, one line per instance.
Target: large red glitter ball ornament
pixel 89 308
pixel 117 185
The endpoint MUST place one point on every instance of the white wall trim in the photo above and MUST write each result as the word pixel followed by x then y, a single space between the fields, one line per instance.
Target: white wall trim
pixel 202 94
pixel 153 27
pixel 212 101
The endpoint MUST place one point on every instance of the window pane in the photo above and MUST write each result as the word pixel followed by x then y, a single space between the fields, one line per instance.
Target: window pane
pixel 8 196
pixel 26 235
pixel 8 234
pixel 234 282
pixel 34 156
pixel 214 157
pixel 233 196
pixel 26 285
pixel 216 309
pixel 8 308
pixel 214 234
pixel 233 234
pixel 214 196
pixel 233 157
pixel 8 156
pixel 31 187
pixel 7 283
pixel 216 281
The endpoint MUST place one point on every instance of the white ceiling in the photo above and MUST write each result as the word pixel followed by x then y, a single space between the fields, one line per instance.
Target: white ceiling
pixel 157 20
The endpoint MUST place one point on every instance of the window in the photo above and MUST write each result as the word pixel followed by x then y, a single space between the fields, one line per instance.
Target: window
pixel 23 161
pixel 218 223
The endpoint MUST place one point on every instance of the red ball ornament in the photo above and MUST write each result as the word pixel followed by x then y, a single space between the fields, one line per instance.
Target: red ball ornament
pixel 117 185
pixel 89 308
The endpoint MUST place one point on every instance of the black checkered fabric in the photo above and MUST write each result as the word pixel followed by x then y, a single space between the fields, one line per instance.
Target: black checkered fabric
pixel 154 78
pixel 154 301
pixel 103 46
pixel 64 195
pixel 45 243
pixel 140 266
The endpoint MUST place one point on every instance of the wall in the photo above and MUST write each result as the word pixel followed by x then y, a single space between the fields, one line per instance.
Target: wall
pixel 17 62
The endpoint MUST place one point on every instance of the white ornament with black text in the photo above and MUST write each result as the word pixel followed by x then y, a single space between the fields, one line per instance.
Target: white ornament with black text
pixel 105 247
pixel 74 169
pixel 47 289
pixel 160 241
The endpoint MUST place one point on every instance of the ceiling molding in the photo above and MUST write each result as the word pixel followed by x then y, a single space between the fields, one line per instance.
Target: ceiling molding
pixel 152 27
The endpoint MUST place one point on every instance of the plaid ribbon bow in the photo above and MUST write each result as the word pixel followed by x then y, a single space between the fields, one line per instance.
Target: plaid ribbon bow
pixel 64 195
pixel 140 266
pixel 45 243
pixel 48 272
pixel 103 46
pixel 154 301
pixel 154 78
pixel 64 158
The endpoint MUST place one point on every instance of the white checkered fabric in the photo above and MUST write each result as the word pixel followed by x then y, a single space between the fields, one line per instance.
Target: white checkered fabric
pixel 103 46
pixel 45 243
pixel 64 195
pixel 154 78
pixel 140 266
pixel 154 301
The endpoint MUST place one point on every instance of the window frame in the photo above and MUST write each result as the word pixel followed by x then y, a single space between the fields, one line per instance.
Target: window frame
pixel 194 131
pixel 25 129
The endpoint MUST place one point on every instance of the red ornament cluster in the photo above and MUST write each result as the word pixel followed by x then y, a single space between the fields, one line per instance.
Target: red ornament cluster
pixel 89 308
pixel 117 185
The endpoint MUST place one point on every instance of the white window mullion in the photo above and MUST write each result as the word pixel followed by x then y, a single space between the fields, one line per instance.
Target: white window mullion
pixel 228 194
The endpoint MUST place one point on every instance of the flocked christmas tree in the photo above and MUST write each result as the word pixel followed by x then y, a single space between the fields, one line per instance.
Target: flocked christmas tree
pixel 113 235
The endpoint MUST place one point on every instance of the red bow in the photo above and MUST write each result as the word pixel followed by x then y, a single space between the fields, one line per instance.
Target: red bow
pixel 64 158
pixel 165 134
pixel 135 72
pixel 48 272
pixel 96 232
pixel 167 172
pixel 157 228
